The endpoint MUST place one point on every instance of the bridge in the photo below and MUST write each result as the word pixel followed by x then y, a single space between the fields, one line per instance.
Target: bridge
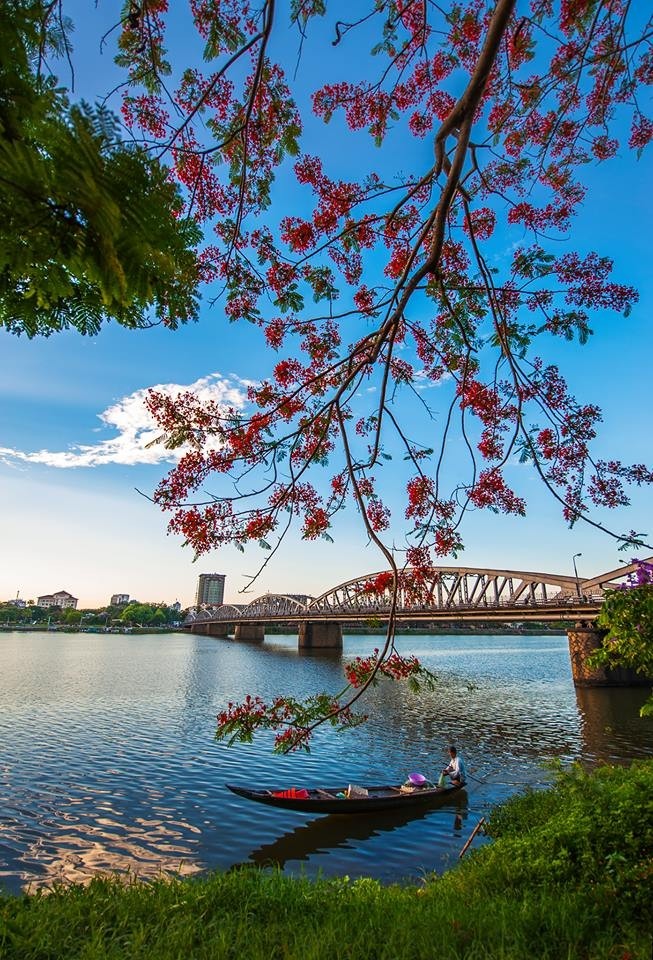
pixel 446 593
pixel 453 594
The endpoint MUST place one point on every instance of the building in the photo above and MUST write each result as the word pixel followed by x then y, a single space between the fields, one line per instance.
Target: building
pixel 210 589
pixel 60 599
pixel 119 598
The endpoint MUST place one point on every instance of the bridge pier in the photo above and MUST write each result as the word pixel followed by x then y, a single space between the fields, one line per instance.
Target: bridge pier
pixel 250 632
pixel 320 635
pixel 211 629
pixel 584 640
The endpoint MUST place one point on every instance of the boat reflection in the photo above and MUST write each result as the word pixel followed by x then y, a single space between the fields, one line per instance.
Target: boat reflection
pixel 328 833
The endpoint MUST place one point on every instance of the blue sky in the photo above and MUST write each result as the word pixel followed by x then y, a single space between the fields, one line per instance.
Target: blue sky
pixel 73 429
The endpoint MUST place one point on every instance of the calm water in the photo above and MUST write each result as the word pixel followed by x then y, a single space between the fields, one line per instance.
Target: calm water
pixel 107 757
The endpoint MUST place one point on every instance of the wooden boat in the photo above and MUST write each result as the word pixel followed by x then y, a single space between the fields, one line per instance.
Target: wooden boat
pixel 327 800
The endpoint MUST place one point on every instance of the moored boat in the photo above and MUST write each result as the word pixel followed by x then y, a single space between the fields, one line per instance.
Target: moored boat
pixel 347 800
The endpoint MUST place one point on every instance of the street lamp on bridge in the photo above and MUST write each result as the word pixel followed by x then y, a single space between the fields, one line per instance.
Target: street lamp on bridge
pixel 573 560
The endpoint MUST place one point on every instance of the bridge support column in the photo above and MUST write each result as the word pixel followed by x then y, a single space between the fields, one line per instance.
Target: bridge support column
pixel 584 640
pixel 211 629
pixel 320 635
pixel 250 632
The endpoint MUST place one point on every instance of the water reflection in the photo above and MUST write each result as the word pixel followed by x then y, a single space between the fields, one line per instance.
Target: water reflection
pixel 329 833
pixel 611 728
pixel 54 838
pixel 151 851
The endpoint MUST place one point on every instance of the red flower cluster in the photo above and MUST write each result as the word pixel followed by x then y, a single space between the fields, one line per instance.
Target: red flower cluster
pixel 379 585
pixel 420 491
pixel 363 670
pixel 490 490
pixel 299 234
pixel 146 112
pixel 315 524
pixel 291 720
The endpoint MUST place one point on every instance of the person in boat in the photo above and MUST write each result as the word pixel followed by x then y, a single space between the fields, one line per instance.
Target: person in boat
pixel 456 768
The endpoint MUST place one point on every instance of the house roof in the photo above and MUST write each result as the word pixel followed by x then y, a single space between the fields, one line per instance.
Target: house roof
pixel 59 593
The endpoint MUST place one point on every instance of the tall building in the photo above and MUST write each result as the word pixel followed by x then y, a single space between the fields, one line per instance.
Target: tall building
pixel 210 589
pixel 119 598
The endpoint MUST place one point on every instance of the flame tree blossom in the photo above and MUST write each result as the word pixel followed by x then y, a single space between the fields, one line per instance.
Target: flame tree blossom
pixel 377 264
pixel 376 284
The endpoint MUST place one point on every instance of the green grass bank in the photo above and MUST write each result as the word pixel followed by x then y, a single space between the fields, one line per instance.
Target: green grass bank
pixel 569 875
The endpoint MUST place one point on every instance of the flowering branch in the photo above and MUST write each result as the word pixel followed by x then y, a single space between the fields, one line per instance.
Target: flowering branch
pixel 374 287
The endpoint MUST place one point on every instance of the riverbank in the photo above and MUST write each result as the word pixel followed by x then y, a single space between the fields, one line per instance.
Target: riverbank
pixel 569 874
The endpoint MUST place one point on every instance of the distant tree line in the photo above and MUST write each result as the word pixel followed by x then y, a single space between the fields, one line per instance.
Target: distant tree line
pixel 132 614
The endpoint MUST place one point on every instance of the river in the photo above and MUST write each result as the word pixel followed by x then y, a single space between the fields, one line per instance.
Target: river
pixel 108 762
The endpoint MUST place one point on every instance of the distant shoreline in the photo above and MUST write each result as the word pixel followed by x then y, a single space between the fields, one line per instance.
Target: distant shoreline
pixel 43 628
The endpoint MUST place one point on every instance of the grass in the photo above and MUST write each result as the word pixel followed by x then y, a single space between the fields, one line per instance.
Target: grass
pixel 569 875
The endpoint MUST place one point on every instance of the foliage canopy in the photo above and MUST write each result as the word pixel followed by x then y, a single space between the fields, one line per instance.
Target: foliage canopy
pixel 91 226
pixel 627 616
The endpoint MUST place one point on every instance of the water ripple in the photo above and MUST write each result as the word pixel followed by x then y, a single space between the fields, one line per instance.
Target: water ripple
pixel 108 762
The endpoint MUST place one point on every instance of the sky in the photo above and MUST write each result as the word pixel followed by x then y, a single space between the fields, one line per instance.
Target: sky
pixel 75 473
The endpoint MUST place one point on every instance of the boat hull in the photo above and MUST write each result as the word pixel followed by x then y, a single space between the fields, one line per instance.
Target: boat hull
pixel 326 801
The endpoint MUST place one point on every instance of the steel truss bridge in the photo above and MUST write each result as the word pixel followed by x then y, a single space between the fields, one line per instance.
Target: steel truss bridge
pixel 445 593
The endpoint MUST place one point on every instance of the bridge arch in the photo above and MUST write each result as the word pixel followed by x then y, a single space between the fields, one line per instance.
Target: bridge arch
pixel 444 588
pixel 200 614
pixel 276 605
pixel 223 611
pixel 231 611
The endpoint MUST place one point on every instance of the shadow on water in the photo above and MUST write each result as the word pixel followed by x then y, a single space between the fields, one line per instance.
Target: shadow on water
pixel 324 834
pixel 273 647
pixel 611 727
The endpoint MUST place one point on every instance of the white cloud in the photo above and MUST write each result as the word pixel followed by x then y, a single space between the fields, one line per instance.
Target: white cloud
pixel 421 381
pixel 135 428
